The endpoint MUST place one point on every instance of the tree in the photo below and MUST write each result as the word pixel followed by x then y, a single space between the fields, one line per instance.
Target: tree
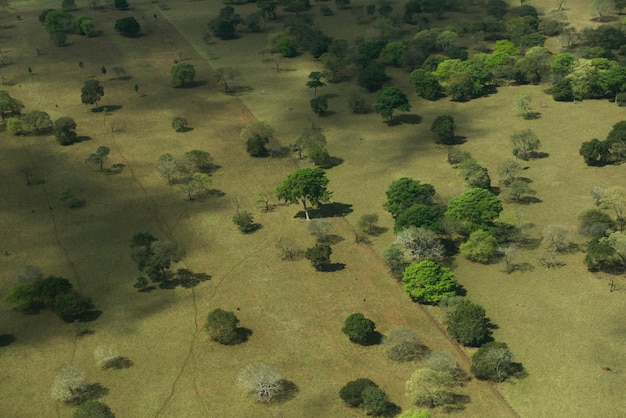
pixel 474 174
pixel 99 157
pixel 64 130
pixel 182 74
pixel 222 327
pixel 367 222
pixel 69 384
pixel 394 52
pixel 71 305
pixel 167 166
pixel 525 144
pixel 493 361
pixel 308 140
pixel 406 192
pixel 227 77
pixel 615 198
pixel 255 146
pixel 196 184
pixel 37 120
pixel 481 246
pixel 319 105
pixel 403 344
pixel 127 26
pixel 268 8
pixel 476 207
pixel 352 392
pixel 517 190
pixel 523 106
pixel 68 5
pixel 372 76
pixel 320 157
pixel 558 238
pixel 179 124
pixel 375 401
pixel 315 81
pixel 262 382
pixel 426 84
pixel 359 329
pixel 428 282
pixel 160 256
pixel 389 99
pixel 93 409
pixel 319 255
pixel 14 125
pixel 69 199
pixel 107 357
pixel 121 4
pixel 509 170
pixel 419 244
pixel 57 22
pixel 601 256
pixel 601 7
pixel 357 101
pixel 617 241
pixel 91 92
pixel 196 160
pixel 256 136
pixel 305 184
pixel 443 129
pixel 119 71
pixel 595 223
pixel 244 221
pixel 421 216
pixel 430 388
pixel 8 105
pixel 468 324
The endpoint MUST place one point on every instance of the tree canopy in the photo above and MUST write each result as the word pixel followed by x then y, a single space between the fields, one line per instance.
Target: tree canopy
pixel 428 282
pixel 467 323
pixel 389 99
pixel 305 184
pixel 182 74
pixel 127 26
pixel 477 207
pixel 406 192
pixel 91 92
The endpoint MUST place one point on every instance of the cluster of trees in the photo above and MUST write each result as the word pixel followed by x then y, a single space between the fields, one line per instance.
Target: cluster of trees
pixel 154 257
pixel 257 135
pixel 610 151
pixel 365 394
pixel 58 23
pixel 191 171
pixel 33 292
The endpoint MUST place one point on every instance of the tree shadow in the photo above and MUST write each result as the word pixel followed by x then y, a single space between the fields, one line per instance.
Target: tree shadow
pixel 209 194
pixel 329 95
pixel 7 339
pixel 374 338
pixel 79 139
pixel 94 391
pixel 243 334
pixel 406 119
pixel 532 115
pixel 376 230
pixel 89 316
pixel 522 267
pixel 185 129
pixel 184 278
pixel 528 200
pixel 539 155
pixel 121 363
pixel 392 410
pixel 331 267
pixel 331 239
pixel 329 210
pixel 193 84
pixel 332 162
pixel 107 109
pixel 114 169
pixel 457 140
pixel 290 390
pixel 457 402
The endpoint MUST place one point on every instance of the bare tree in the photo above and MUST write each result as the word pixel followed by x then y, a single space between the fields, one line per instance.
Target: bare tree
pixel 367 222
pixel 262 382
pixel 106 357
pixel 264 197
pixel 420 244
pixel 509 170
pixel 319 228
pixel 289 250
pixel 227 77
pixel 510 255
pixel 597 193
pixel 403 344
pixel 69 385
pixel 557 237
pixel 168 167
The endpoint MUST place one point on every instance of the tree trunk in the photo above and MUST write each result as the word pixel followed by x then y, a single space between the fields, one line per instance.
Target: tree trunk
pixel 306 212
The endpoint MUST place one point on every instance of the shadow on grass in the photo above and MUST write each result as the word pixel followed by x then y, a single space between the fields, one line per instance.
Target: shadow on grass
pixel 114 169
pixel 331 239
pixel 94 391
pixel 522 267
pixel 184 278
pixel 121 363
pixel 334 267
pixel 532 115
pixel 332 162
pixel 328 210
pixel 528 200
pixel 290 390
pixel 405 120
pixel 183 130
pixel 243 334
pixel 7 339
pixel 89 316
pixel 208 194
pixel 107 109
pixel 457 402
pixel 329 95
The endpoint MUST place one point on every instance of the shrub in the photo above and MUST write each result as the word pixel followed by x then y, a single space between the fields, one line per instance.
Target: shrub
pixel 255 146
pixel 403 344
pixel 493 361
pixel 352 392
pixel 468 324
pixel 358 103
pixel 319 105
pixel 394 258
pixel 93 409
pixel 127 26
pixel 359 329
pixel 594 222
pixel 222 327
pixel 428 282
pixel 375 401
pixel 319 156
pixel 601 256
pixel 244 221
pixel 319 255
pixel 481 246
pixel 179 124
pixel 443 129
pixel 71 305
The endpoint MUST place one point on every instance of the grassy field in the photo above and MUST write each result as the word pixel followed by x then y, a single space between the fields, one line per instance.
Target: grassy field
pixel 562 324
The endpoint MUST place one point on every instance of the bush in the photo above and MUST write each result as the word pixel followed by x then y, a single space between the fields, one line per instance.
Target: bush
pixel 127 26
pixel 244 221
pixel 352 392
pixel 468 324
pixel 375 401
pixel 443 129
pixel 319 255
pixel 595 223
pixel 602 257
pixel 255 146
pixel 481 246
pixel 359 329
pixel 428 282
pixel 222 327
pixel 93 409
pixel 394 258
pixel 319 156
pixel 403 344
pixel 357 102
pixel 71 305
pixel 179 124
pixel 493 361
pixel 319 105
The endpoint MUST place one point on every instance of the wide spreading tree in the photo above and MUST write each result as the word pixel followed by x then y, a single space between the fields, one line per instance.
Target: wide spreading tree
pixel 305 185
pixel 428 282
pixel 389 99
pixel 476 207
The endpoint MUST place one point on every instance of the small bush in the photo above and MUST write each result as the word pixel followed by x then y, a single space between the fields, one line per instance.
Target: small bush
pixel 106 357
pixel 255 146
pixel 319 255
pixel 222 327
pixel 352 392
pixel 93 409
pixel 71 305
pixel 319 156
pixel 244 221
pixel 359 329
pixel 179 124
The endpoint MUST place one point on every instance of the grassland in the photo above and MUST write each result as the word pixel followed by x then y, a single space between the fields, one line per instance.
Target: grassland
pixel 562 324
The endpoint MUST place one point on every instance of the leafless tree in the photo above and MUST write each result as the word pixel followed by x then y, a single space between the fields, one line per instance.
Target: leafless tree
pixel 106 357
pixel 420 244
pixel 70 383
pixel 557 237
pixel 262 382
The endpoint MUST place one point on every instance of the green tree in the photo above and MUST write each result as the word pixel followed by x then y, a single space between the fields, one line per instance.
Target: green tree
pixel 182 74
pixel 93 409
pixel 179 124
pixel 476 207
pixel 309 139
pixel 255 146
pixel 14 125
pixel 372 76
pixel 71 305
pixel 222 327
pixel 493 361
pixel 595 223
pixel 474 174
pixel 319 156
pixel 406 192
pixel 602 257
pixel 359 329
pixel 375 401
pixel 127 26
pixel 121 4
pixel 357 101
pixel 37 121
pixel 481 246
pixel 8 105
pixel 99 157
pixel 421 216
pixel 509 171
pixel 160 257
pixel 287 47
pixel 389 99
pixel 319 256
pixel 244 221
pixel 426 84
pixel 443 129
pixel 428 282
pixel 315 81
pixel 57 21
pixel 91 92
pixel 352 392
pixel 468 324
pixel 394 52
pixel 615 199
pixel 268 8
pixel 196 160
pixel 517 190
pixel 305 184
pixel 196 185
pixel 64 130
pixel 430 388
pixel 319 105
pixel 68 5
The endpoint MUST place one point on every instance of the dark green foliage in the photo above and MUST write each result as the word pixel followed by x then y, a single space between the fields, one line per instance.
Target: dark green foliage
pixel 496 8
pixel 305 184
pixel 255 146
pixel 394 258
pixel 127 26
pixel 154 256
pixel 244 221
pixel 58 21
pixel 121 4
pixel 70 305
pixel 222 327
pixel 287 47
pixel 24 298
pixel 595 223
pixel 481 246
pixel 375 401
pixel 443 129
pixel 352 392
pixel 49 288
pixel 468 324
pixel 421 216
pixel 182 74
pixel 406 192
pixel 319 156
pixel 602 257
pixel 358 103
pixel 493 361
pixel 475 175
pixel 426 84
pixel 223 29
pixel 319 105
pixel 369 51
pixel 319 255
pixel 91 92
pixel 610 151
pixel 477 207
pixel 359 329
pixel 428 282
pixel 389 99
pixel 93 409
pixel 372 76
pixel 64 130
pixel 42 15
